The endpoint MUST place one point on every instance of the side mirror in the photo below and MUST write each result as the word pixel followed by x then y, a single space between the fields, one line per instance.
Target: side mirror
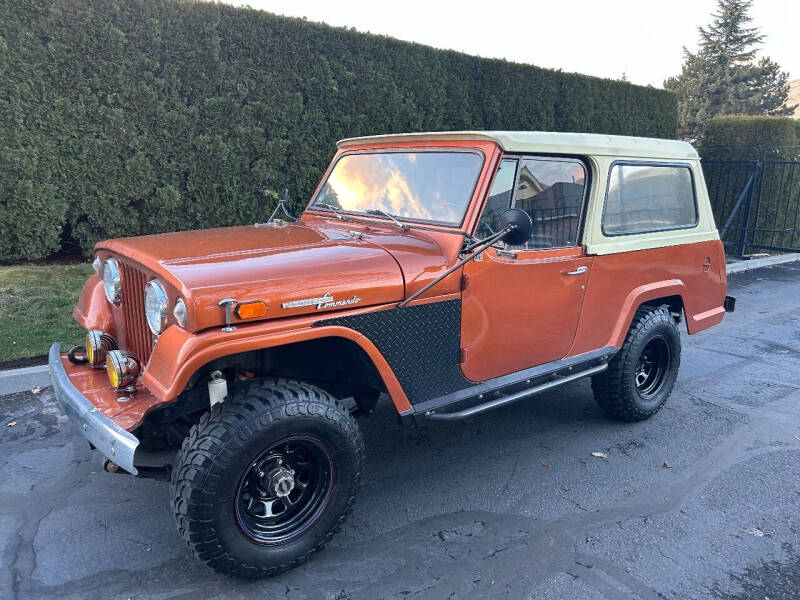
pixel 514 227
pixel 520 226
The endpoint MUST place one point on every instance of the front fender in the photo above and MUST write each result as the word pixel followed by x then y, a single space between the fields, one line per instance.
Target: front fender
pixel 178 354
pixel 92 310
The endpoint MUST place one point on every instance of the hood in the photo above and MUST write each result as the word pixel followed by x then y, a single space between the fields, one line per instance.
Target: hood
pixel 294 268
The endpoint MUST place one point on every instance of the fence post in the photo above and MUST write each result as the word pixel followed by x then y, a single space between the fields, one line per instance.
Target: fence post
pixel 748 203
pixel 762 163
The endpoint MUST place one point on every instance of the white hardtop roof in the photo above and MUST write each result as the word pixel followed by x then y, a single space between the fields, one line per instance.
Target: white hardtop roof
pixel 549 142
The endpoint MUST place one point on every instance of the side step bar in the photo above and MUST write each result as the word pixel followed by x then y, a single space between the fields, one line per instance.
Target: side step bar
pixel 503 400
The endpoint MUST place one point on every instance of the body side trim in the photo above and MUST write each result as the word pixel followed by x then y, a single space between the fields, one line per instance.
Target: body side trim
pixel 708 318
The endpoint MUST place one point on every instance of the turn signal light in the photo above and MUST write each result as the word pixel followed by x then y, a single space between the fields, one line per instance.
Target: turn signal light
pixel 122 368
pixel 251 310
pixel 97 345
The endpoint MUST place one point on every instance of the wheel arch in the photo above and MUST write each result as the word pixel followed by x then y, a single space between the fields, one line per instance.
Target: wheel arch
pixel 671 292
pixel 674 303
pixel 196 357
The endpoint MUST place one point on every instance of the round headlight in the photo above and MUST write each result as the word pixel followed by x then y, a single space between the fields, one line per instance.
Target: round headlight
pixel 155 306
pixel 179 312
pixel 112 283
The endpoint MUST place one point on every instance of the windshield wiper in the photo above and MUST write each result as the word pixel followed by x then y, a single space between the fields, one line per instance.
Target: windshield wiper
pixel 336 212
pixel 380 211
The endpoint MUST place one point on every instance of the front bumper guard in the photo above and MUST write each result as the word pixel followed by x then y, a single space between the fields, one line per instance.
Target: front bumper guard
pixel 110 439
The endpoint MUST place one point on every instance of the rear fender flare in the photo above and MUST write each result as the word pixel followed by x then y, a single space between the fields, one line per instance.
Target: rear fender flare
pixel 637 297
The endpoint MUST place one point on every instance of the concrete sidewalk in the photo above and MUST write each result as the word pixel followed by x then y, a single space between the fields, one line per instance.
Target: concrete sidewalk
pixel 21 380
pixel 742 266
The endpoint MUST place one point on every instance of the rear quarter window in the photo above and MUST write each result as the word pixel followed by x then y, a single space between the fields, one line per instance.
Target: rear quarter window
pixel 649 197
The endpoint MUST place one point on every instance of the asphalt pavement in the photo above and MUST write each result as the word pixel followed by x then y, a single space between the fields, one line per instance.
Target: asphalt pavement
pixel 701 501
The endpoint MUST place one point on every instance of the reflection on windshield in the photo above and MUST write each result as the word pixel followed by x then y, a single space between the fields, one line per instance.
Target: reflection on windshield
pixel 429 186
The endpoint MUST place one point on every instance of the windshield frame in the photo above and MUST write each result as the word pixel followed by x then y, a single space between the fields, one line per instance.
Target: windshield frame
pixel 395 150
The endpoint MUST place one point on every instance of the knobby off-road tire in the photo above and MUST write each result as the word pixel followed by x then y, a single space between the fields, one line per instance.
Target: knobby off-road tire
pixel 273 433
pixel 641 375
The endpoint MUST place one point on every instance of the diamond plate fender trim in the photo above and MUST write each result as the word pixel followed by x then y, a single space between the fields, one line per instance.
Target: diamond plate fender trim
pixel 421 343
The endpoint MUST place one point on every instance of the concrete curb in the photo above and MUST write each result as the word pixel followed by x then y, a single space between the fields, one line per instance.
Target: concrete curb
pixel 20 380
pixel 758 263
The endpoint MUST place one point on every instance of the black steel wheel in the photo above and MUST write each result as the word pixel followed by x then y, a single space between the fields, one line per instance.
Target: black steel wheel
pixel 285 489
pixel 652 367
pixel 266 478
pixel 640 377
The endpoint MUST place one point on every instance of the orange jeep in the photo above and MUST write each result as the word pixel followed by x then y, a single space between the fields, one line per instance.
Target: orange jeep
pixel 455 272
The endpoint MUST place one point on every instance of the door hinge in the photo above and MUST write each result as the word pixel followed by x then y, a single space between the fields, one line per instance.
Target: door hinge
pixel 462 356
pixel 464 282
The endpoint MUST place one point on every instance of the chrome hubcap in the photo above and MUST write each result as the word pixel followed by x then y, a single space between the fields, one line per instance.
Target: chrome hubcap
pixel 282 482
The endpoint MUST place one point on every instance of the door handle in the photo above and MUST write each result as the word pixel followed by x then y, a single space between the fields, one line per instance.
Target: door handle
pixel 579 271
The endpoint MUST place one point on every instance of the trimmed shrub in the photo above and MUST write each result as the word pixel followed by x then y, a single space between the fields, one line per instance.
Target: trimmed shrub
pixel 126 117
pixel 740 136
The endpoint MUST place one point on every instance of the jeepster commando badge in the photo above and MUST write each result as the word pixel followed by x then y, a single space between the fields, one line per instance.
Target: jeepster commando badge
pixel 324 301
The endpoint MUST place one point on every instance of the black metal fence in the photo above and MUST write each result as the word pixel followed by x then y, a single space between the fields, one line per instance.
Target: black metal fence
pixel 755 195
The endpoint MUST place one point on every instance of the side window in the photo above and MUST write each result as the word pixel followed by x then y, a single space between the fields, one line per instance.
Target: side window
pixel 551 191
pixel 644 198
pixel 499 198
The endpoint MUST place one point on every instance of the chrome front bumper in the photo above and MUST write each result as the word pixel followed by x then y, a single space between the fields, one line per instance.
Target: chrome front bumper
pixel 109 438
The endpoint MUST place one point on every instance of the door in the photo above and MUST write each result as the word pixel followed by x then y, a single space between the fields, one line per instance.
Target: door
pixel 520 305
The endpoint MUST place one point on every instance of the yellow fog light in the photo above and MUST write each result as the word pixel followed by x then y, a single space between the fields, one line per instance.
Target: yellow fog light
pixel 97 345
pixel 122 368
pixel 112 373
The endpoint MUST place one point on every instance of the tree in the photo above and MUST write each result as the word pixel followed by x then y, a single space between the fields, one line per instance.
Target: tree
pixel 724 77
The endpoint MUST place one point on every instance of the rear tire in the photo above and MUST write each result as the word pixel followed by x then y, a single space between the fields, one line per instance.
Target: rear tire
pixel 640 377
pixel 266 478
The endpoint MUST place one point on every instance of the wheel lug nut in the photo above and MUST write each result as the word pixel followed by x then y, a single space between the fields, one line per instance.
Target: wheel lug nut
pixel 261 473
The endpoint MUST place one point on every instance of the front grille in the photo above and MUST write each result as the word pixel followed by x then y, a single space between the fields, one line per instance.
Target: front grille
pixel 135 334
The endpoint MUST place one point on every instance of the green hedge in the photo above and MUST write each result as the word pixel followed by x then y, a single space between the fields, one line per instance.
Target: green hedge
pixel 125 117
pixel 742 136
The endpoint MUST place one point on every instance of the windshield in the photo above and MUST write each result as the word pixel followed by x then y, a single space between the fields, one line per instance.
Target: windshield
pixel 423 186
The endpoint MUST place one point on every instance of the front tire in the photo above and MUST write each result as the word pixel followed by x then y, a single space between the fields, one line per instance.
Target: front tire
pixel 266 478
pixel 640 377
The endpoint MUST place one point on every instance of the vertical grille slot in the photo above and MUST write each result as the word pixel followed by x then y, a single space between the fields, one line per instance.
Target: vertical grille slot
pixel 137 336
